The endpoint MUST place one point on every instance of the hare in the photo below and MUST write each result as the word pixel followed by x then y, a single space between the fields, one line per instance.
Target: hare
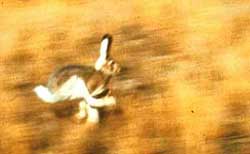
pixel 83 82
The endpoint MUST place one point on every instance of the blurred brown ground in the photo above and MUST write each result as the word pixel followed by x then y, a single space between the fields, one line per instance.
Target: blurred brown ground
pixel 186 88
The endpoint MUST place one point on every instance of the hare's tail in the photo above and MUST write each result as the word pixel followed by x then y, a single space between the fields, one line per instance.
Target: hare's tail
pixel 45 94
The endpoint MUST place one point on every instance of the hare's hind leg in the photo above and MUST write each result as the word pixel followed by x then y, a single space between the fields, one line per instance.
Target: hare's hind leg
pixel 80 90
pixel 76 88
pixel 82 110
pixel 93 114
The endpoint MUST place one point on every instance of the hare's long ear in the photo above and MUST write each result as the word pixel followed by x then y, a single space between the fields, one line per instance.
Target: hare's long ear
pixel 105 46
pixel 104 51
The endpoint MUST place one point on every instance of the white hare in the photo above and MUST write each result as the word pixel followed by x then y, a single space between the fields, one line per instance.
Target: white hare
pixel 83 82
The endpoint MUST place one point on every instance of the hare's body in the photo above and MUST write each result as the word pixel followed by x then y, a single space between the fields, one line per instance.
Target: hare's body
pixel 96 81
pixel 83 82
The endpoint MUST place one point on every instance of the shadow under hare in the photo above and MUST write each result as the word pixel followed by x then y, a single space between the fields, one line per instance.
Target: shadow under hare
pixel 83 82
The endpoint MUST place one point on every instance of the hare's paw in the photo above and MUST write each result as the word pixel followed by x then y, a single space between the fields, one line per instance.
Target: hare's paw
pixel 110 101
pixel 79 118
pixel 81 115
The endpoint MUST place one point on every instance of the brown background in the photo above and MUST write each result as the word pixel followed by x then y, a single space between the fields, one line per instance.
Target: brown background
pixel 185 88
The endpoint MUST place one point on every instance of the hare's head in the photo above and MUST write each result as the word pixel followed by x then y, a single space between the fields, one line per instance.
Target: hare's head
pixel 105 63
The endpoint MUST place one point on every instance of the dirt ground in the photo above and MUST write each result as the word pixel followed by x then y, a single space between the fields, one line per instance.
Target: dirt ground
pixel 185 88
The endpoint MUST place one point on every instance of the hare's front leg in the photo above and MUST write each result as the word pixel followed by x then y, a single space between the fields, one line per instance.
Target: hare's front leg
pixel 101 102
pixel 109 101
pixel 82 110
pixel 93 114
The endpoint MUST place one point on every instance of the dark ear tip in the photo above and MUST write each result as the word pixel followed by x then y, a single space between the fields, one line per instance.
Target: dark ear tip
pixel 107 36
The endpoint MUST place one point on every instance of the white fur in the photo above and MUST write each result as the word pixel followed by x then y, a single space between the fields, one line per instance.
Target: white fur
pixel 86 110
pixel 44 94
pixel 109 101
pixel 74 88
pixel 93 114
pixel 99 63
pixel 103 54
pixel 82 110
pixel 104 48
pixel 81 114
